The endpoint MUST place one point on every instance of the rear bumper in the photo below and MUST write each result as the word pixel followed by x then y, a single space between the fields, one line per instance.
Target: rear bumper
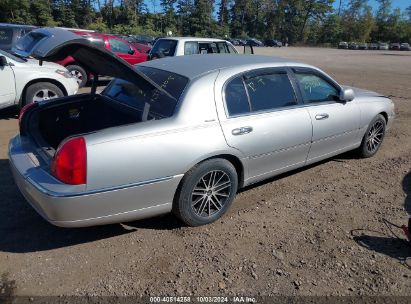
pixel 73 206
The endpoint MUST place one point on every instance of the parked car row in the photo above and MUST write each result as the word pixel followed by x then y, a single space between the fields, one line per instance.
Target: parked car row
pixel 255 42
pixel 179 46
pixel 119 46
pixel 24 80
pixel 180 134
pixel 129 50
pixel 374 46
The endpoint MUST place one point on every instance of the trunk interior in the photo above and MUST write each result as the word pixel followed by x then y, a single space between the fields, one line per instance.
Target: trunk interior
pixel 83 115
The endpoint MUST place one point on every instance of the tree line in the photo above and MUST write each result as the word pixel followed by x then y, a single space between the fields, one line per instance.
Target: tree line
pixel 292 21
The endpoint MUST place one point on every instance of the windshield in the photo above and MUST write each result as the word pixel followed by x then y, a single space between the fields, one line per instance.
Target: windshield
pixel 145 97
pixel 12 57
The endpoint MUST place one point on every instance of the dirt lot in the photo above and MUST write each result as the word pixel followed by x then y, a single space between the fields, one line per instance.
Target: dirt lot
pixel 317 231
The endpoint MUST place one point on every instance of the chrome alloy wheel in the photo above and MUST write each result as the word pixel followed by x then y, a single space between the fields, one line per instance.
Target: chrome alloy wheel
pixel 44 94
pixel 375 136
pixel 211 193
pixel 77 75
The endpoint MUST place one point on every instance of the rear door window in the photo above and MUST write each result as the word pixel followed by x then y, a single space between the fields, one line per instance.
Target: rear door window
pixel 236 97
pixel 269 91
pixel 190 48
pixel 208 48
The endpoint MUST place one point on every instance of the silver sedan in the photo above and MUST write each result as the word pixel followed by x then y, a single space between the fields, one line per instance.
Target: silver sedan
pixel 181 134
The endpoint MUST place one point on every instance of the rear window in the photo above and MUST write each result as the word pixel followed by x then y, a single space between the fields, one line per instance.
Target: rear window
pixel 164 48
pixel 27 42
pixel 6 35
pixel 96 41
pixel 145 96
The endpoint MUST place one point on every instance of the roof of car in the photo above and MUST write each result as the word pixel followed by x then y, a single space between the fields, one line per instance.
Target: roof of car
pixel 192 38
pixel 195 65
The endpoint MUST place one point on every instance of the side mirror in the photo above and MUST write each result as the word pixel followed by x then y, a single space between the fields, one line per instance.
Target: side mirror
pixel 347 95
pixel 248 49
pixel 131 52
pixel 3 61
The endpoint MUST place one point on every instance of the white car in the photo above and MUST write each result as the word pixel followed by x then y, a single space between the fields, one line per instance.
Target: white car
pixel 23 81
pixel 180 46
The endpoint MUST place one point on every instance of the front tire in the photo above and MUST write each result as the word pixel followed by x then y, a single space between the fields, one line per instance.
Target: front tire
pixel 79 74
pixel 41 91
pixel 373 137
pixel 206 192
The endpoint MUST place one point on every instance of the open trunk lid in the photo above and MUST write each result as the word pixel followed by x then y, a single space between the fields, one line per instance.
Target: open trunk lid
pixel 54 44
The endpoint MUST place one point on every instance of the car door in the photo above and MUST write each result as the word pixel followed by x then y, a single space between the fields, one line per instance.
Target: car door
pixel 7 84
pixel 335 123
pixel 125 51
pixel 264 120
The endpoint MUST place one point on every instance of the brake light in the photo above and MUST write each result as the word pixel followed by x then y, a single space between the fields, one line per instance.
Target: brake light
pixel 23 111
pixel 69 164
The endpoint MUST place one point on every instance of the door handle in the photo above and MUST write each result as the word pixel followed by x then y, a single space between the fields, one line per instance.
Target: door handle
pixel 321 116
pixel 242 130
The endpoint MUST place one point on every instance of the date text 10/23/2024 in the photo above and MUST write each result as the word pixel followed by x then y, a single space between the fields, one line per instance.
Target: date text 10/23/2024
pixel 204 299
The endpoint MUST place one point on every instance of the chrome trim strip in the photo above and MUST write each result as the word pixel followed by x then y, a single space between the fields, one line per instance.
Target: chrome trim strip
pixel 45 191
pixel 156 207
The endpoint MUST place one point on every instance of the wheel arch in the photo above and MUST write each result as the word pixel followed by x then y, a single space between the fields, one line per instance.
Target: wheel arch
pixel 385 115
pixel 234 160
pixel 37 80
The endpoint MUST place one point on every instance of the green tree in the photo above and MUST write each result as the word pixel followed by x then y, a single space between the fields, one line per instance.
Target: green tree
pixel 358 21
pixel 202 20
pixel 15 11
pixel 41 12
pixel 185 12
pixel 169 16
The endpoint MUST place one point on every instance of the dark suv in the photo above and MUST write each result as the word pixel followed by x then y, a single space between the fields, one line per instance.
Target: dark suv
pixel 273 42
pixel 10 33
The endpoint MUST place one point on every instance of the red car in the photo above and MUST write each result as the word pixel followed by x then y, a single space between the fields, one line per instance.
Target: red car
pixel 121 47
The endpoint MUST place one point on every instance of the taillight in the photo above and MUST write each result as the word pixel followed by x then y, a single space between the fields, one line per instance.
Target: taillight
pixel 23 111
pixel 69 164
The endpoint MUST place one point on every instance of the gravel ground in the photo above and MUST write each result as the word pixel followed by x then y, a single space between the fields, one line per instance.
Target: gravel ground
pixel 316 231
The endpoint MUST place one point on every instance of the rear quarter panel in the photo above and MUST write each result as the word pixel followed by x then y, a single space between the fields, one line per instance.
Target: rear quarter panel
pixel 162 148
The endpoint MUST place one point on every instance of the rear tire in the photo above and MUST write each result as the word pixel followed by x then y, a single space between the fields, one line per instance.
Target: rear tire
pixel 373 137
pixel 206 192
pixel 40 91
pixel 79 73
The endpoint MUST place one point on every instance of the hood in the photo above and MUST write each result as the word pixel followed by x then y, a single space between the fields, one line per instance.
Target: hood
pixel 55 44
pixel 46 65
pixel 363 93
